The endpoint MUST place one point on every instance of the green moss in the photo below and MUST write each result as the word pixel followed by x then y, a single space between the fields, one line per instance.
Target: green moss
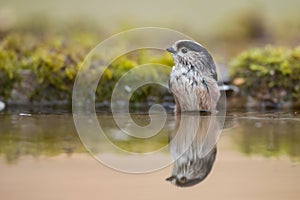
pixel 125 63
pixel 54 61
pixel 269 73
pixel 8 71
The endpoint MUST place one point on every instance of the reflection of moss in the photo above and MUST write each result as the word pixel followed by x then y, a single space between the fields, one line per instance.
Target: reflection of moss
pixel 270 138
pixel 37 137
pixel 270 74
pixel 139 146
pixel 130 143
pixel 51 135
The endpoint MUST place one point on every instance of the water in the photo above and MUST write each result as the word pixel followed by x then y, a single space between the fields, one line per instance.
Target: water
pixel 257 157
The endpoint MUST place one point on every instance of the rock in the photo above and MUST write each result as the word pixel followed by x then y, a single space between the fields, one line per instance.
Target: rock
pixel 21 92
pixel 2 106
pixel 25 114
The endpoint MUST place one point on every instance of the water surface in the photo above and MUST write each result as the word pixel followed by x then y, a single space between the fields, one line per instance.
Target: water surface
pixel 42 157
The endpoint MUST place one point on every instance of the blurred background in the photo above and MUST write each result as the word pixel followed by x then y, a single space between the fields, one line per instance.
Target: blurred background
pixel 267 21
pixel 42 39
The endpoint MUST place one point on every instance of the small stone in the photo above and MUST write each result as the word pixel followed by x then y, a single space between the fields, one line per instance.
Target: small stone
pixel 21 91
pixel 258 124
pixel 25 114
pixel 2 106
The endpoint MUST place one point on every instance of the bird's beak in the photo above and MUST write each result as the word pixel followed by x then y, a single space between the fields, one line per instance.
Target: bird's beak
pixel 170 178
pixel 171 50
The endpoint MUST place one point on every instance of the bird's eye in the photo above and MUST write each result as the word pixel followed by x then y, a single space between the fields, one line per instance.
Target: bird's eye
pixel 182 179
pixel 184 50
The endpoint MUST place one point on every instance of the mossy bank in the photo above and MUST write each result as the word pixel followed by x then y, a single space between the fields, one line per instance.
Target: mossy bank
pixel 268 76
pixel 42 69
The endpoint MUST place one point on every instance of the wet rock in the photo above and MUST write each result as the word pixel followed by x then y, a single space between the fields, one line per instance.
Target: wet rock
pixel 268 103
pixel 2 106
pixel 22 91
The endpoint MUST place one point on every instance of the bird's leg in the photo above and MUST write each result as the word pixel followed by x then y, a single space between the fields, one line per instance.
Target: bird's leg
pixel 177 106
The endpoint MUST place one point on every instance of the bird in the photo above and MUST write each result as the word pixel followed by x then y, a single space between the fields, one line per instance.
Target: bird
pixel 193 80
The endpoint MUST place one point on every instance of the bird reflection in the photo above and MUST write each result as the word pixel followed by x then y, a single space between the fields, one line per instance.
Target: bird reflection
pixel 193 148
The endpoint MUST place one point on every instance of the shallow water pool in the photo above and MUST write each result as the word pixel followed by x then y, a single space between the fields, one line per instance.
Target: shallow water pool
pixel 257 156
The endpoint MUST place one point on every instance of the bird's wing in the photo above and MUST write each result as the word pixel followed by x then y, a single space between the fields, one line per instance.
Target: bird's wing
pixel 214 71
pixel 170 86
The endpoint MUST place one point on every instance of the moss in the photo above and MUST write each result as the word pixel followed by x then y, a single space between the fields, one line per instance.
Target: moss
pixel 125 63
pixel 8 72
pixel 54 61
pixel 269 74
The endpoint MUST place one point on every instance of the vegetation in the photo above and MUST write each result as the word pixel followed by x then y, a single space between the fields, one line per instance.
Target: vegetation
pixel 53 61
pixel 270 75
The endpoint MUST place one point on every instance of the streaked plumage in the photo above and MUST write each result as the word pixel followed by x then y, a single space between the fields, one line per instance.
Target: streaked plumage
pixel 193 80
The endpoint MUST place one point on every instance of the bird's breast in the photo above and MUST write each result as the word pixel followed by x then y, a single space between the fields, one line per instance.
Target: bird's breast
pixel 193 90
pixel 186 80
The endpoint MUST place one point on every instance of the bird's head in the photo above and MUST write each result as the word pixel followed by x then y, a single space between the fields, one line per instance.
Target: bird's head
pixel 187 53
pixel 188 172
